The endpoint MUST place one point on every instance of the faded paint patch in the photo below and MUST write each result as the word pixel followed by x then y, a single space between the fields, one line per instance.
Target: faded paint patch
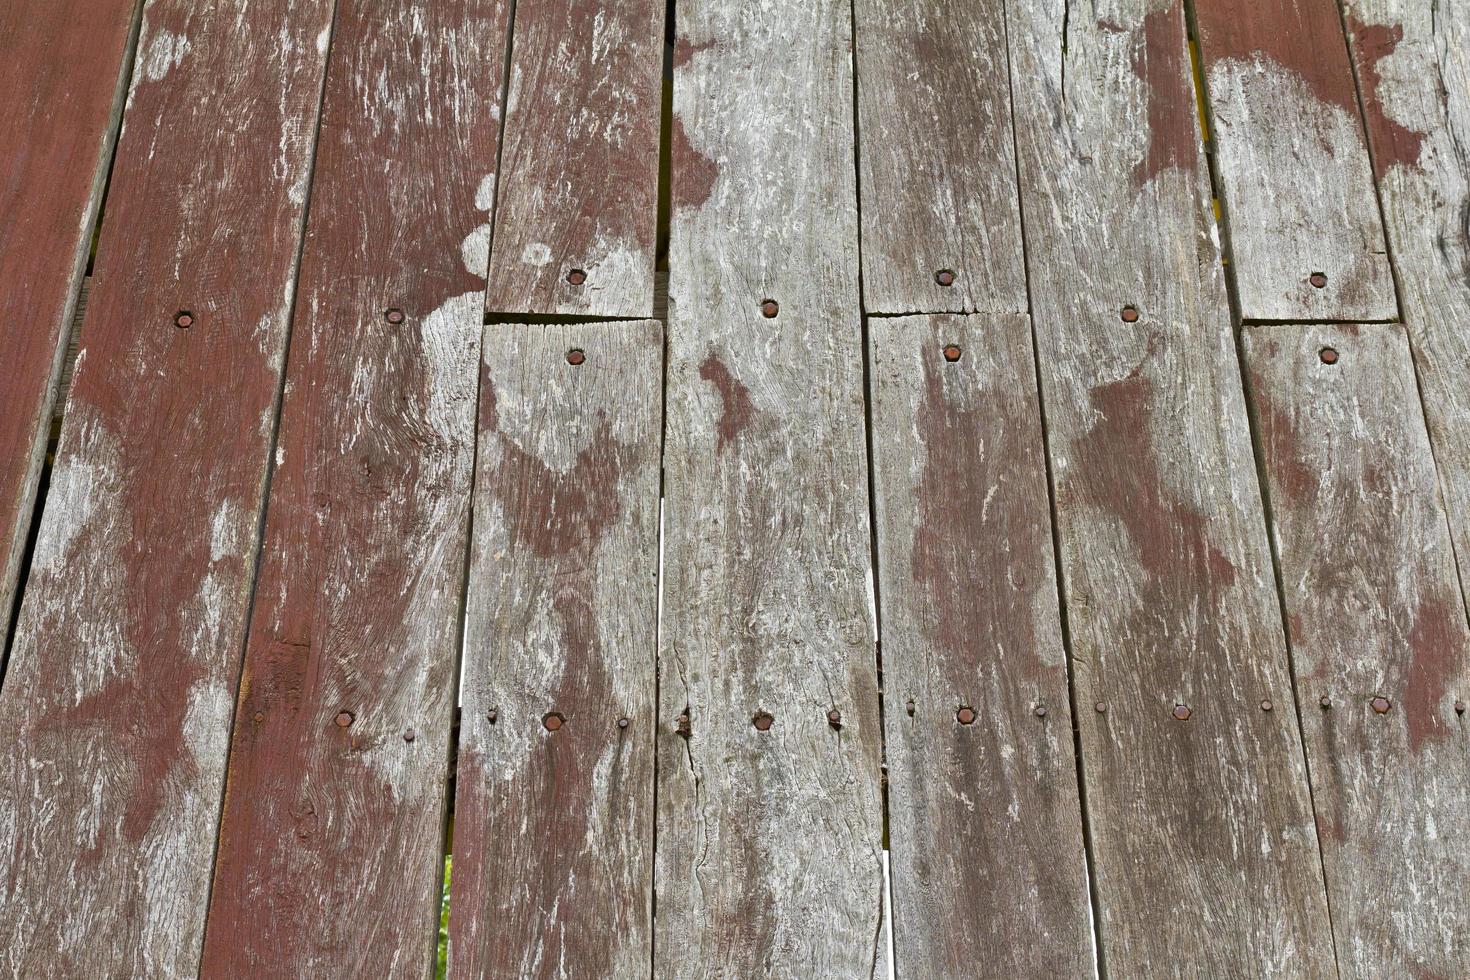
pixel 1393 144
pixel 1436 643
pixel 694 173
pixel 737 410
pixel 1160 61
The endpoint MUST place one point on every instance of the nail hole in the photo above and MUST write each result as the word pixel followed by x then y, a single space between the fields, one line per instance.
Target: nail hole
pixel 1182 712
pixel 183 319
pixel 763 721
pixel 1318 279
pixel 1129 314
pixel 1380 705
pixel 553 721
pixel 952 353
pixel 1328 355
pixel 576 277
pixel 769 309
pixel 576 356
pixel 945 277
pixel 965 716
pixel 344 718
pixel 393 315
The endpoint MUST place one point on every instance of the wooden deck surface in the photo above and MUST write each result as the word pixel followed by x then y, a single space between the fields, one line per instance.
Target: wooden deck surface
pixel 807 489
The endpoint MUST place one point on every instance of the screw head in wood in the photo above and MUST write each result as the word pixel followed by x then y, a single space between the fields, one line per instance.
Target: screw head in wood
pixel 763 721
pixel 769 309
pixel 1328 355
pixel 183 319
pixel 1129 314
pixel 344 718
pixel 553 721
pixel 409 734
pixel 576 356
pixel 576 277
pixel 1182 712
pixel 1318 279
pixel 834 718
pixel 1266 705
pixel 965 716
pixel 393 315
pixel 1380 705
pixel 945 277
pixel 952 352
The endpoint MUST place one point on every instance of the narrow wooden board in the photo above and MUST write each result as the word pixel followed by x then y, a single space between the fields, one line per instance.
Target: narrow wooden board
pixel 1416 97
pixel 63 60
pixel 1374 611
pixel 985 827
pixel 331 841
pixel 579 167
pixel 769 842
pixel 1204 851
pixel 937 158
pixel 115 715
pixel 1293 162
pixel 553 845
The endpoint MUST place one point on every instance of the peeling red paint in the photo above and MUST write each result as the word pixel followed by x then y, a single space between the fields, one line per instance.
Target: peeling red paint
pixel 554 513
pixel 693 173
pixel 1285 455
pixel 736 414
pixel 1393 144
pixel 684 51
pixel 1161 62
pixel 1436 644
pixel 1300 37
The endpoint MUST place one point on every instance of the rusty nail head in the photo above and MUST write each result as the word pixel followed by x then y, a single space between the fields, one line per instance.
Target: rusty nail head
pixel 183 319
pixel 952 352
pixel 259 717
pixel 576 277
pixel 834 718
pixel 910 707
pixel 1325 702
pixel 1328 355
pixel 1182 712
pixel 576 356
pixel 763 721
pixel 1380 705
pixel 1318 279
pixel 1100 707
pixel 344 718
pixel 769 309
pixel 1040 711
pixel 945 277
pixel 492 716
pixel 622 723
pixel 1129 314
pixel 409 735
pixel 966 715
pixel 1459 707
pixel 682 725
pixel 394 316
pixel 552 721
pixel 1266 705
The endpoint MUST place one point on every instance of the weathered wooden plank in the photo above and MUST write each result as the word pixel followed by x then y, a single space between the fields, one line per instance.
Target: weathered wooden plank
pixel 985 827
pixel 940 221
pixel 1306 239
pixel 575 221
pixel 553 845
pixel 62 81
pixel 115 713
pixel 769 816
pixel 331 840
pixel 1415 81
pixel 1204 851
pixel 1379 637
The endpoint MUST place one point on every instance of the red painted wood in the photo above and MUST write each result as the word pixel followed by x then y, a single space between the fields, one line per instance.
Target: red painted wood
pixel 331 842
pixel 116 709
pixel 60 60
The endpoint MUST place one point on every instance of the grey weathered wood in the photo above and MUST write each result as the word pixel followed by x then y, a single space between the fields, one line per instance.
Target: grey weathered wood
pixel 115 714
pixel 331 839
pixel 1292 161
pixel 937 158
pixel 1204 852
pixel 1415 82
pixel 553 844
pixel 769 842
pixel 985 827
pixel 579 166
pixel 1374 611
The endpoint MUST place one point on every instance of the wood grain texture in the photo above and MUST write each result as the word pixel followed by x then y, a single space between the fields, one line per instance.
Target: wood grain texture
pixel 553 846
pixel 769 842
pixel 1204 851
pixel 1292 161
pixel 1414 72
pixel 61 61
pixel 579 169
pixel 937 158
pixel 1374 611
pixel 985 827
pixel 115 713
pixel 331 839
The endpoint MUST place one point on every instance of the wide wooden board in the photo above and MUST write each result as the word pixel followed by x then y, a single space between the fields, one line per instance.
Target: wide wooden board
pixel 985 827
pixel 553 838
pixel 769 841
pixel 1293 163
pixel 1204 851
pixel 940 223
pixel 62 60
pixel 575 221
pixel 1415 81
pixel 115 714
pixel 1374 611
pixel 331 841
